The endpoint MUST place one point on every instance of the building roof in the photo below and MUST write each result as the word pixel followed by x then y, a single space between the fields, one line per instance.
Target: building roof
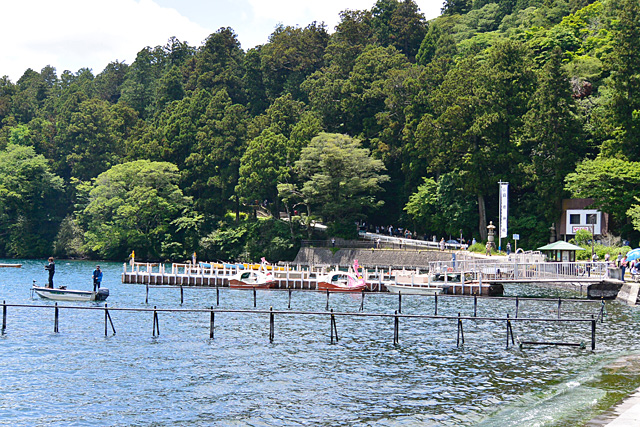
pixel 561 246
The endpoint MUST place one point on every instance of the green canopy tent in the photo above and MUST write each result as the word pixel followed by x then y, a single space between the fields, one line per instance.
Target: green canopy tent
pixel 561 251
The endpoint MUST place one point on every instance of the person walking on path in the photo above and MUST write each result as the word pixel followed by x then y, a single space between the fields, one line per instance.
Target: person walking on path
pixel 51 268
pixel 97 278
pixel 508 248
pixel 488 248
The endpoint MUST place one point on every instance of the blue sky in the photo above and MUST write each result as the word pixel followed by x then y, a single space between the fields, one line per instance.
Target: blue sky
pixel 70 34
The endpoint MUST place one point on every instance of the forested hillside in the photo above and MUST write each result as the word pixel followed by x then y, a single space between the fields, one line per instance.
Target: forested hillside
pixel 389 119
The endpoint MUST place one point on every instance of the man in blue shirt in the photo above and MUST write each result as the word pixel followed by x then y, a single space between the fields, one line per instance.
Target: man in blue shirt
pixel 97 278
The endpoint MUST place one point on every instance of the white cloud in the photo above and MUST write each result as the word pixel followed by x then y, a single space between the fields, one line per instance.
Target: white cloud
pixel 71 34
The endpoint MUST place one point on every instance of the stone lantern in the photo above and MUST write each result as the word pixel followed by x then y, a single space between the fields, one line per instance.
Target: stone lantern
pixel 491 231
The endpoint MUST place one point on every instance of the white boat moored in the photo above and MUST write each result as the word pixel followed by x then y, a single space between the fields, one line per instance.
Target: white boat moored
pixel 63 294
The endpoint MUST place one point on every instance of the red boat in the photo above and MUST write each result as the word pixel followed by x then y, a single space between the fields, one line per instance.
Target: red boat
pixel 342 281
pixel 252 279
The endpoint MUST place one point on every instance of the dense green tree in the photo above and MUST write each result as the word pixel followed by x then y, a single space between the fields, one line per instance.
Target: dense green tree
pixel 552 137
pixel 625 65
pixel 28 194
pixel 291 55
pixel 218 65
pixel 108 83
pixel 340 177
pixel 613 184
pixel 138 206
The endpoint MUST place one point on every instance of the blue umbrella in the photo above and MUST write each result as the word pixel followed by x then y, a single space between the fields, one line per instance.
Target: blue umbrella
pixel 633 254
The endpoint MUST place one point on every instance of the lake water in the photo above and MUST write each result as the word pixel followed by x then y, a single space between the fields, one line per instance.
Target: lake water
pixel 181 377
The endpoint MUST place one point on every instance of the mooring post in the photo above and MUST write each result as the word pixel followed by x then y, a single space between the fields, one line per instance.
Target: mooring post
pixel 362 301
pixel 217 295
pixel 254 297
pixel 559 306
pixel 603 312
pixel 107 317
pixel 271 325
pixel 327 300
pixel 289 306
pixel 181 295
pixel 517 305
pixel 156 323
pixel 509 331
pixel 146 299
pixel 4 316
pixel 475 305
pixel 435 311
pixel 593 333
pixel 334 328
pixel 460 332
pixel 55 319
pixel 211 323
pixel 396 329
pixel 400 302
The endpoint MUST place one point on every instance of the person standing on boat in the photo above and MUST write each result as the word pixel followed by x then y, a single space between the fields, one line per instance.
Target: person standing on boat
pixel 97 278
pixel 51 268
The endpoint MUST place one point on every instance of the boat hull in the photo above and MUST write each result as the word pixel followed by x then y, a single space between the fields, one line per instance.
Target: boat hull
pixel 71 294
pixel 238 284
pixel 325 286
pixel 414 290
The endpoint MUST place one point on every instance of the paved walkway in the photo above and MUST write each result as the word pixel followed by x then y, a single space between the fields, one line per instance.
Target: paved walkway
pixel 627 413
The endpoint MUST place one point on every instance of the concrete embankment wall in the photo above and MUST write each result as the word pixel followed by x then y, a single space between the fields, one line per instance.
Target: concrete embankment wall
pixel 371 257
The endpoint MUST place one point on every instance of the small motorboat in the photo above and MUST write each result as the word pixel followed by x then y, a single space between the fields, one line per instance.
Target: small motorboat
pixel 252 279
pixel 415 289
pixel 64 294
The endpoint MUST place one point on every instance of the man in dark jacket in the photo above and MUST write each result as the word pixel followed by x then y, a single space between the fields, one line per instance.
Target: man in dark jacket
pixel 51 268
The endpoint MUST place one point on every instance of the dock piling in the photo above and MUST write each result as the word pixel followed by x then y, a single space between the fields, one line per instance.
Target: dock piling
pixel 435 303
pixel 4 316
pixel 396 329
pixel 593 333
pixel 475 306
pixel 517 306
pixel 559 306
pixel 55 319
pixel 327 300
pixel 217 296
pixel 362 301
pixel 271 325
pixel 333 327
pixel 156 323
pixel 400 302
pixel 289 306
pixel 212 323
pixel 509 331
pixel 146 298
pixel 460 332
pixel 254 297
pixel 107 317
pixel 181 295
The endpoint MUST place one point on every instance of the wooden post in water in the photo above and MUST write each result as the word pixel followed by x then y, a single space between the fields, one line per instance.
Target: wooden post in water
pixel 217 296
pixel 333 327
pixel 107 317
pixel 327 300
pixel 254 297
pixel 362 301
pixel 509 331
pixel 400 302
pixel 156 323
pixel 517 306
pixel 181 295
pixel 4 316
pixel 475 306
pixel 593 333
pixel 271 325
pixel 559 305
pixel 55 319
pixel 146 299
pixel 211 323
pixel 460 332
pixel 396 329
pixel 289 306
pixel 435 305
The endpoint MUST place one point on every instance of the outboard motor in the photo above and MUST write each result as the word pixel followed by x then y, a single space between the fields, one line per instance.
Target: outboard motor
pixel 102 294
